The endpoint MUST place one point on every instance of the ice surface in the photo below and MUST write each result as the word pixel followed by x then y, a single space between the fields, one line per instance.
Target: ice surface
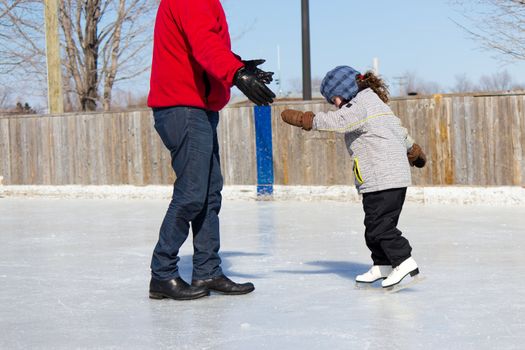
pixel 75 274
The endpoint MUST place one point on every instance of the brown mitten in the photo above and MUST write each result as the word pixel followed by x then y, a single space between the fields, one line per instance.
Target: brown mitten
pixel 416 157
pixel 298 118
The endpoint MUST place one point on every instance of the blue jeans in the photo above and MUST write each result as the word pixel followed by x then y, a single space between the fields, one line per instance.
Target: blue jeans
pixel 190 134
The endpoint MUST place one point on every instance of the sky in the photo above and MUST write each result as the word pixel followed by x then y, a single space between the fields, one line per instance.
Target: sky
pixel 405 35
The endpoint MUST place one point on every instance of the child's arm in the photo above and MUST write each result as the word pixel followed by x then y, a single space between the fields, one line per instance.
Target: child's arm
pixel 344 120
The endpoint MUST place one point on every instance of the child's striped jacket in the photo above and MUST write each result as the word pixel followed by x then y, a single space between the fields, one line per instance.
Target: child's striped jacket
pixel 375 138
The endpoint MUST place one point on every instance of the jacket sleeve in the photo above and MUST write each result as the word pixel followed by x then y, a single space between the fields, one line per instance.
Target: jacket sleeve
pixel 203 32
pixel 346 119
pixel 409 141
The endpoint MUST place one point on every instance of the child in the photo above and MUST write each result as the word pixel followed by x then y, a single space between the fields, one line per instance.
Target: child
pixel 380 146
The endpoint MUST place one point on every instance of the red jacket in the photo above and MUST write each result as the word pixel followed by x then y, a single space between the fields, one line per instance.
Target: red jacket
pixel 193 64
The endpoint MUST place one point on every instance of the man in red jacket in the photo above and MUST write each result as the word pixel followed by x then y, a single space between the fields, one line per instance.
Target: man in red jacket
pixel 192 72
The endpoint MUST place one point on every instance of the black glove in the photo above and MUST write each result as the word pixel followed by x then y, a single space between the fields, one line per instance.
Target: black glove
pixel 254 89
pixel 251 65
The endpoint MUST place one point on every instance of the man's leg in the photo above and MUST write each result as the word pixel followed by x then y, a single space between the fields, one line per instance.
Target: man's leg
pixel 188 135
pixel 205 227
pixel 206 242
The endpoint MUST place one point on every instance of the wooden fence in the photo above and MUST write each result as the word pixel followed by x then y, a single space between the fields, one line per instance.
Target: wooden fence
pixel 469 140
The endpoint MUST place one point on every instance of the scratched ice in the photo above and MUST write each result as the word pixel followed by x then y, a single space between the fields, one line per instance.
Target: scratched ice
pixel 75 273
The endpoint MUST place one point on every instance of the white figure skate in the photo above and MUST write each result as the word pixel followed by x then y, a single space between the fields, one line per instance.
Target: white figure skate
pixel 407 267
pixel 376 273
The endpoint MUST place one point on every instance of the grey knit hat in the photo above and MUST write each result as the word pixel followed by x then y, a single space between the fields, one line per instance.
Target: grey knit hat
pixel 340 81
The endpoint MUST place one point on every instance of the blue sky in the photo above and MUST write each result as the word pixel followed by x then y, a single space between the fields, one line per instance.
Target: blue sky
pixel 406 35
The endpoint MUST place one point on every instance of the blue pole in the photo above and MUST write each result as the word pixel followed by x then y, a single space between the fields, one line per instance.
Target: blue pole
pixel 263 150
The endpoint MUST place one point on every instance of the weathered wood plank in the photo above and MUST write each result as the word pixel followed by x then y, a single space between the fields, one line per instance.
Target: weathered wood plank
pixel 460 141
pixel 45 143
pixel 425 130
pixel 520 120
pixel 123 160
pixel 56 166
pixel 449 144
pixel 134 151
pixel 14 149
pixel 236 136
pixel 488 132
pixel 5 152
pixel 479 143
pixel 89 154
pixel 145 144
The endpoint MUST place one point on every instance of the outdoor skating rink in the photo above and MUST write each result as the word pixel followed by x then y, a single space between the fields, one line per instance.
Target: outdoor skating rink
pixel 74 274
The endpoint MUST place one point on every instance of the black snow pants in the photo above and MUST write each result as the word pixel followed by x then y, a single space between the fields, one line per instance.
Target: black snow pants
pixel 382 210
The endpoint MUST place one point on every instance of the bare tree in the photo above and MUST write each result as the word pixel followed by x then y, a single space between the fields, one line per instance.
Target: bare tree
pixel 104 42
pixel 22 45
pixel 124 99
pixel 4 98
pixel 463 84
pixel 498 25
pixel 496 82
pixel 410 83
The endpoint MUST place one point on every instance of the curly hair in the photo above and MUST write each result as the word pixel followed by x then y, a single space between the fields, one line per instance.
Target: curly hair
pixel 370 80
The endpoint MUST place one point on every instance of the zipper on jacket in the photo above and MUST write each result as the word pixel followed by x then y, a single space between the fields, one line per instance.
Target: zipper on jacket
pixel 207 86
pixel 357 173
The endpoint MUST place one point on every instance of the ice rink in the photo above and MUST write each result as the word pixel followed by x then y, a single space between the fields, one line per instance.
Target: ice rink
pixel 74 274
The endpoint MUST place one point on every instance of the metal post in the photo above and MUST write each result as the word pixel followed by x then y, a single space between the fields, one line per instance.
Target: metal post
pixel 307 74
pixel 54 76
pixel 375 66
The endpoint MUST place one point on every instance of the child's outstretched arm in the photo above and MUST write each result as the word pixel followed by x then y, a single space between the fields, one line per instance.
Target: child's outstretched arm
pixel 346 119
